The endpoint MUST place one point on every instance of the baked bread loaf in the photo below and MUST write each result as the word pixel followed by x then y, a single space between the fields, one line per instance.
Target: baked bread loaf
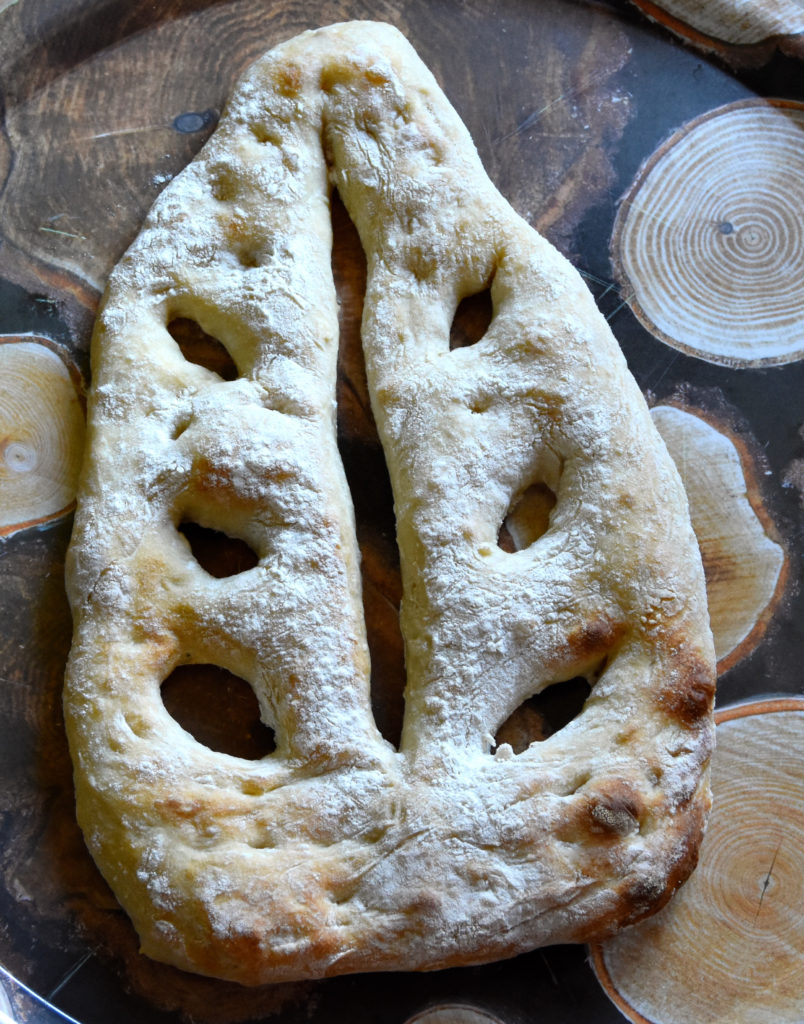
pixel 337 852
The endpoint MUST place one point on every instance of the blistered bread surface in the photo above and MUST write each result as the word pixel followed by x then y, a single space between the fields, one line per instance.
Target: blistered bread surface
pixel 338 852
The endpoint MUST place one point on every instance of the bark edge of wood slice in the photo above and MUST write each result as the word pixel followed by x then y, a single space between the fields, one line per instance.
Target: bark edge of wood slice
pixel 743 41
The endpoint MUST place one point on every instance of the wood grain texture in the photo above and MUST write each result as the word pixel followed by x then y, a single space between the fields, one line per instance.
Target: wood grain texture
pixel 745 566
pixel 41 432
pixel 746 35
pixel 731 945
pixel 96 108
pixel 707 240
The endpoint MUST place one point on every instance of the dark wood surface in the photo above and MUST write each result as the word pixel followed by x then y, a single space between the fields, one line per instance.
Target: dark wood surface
pixel 103 101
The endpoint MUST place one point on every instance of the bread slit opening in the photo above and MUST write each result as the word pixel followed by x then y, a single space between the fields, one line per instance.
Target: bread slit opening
pixel 201 348
pixel 219 710
pixel 471 319
pixel 367 476
pixel 528 518
pixel 544 714
pixel 216 552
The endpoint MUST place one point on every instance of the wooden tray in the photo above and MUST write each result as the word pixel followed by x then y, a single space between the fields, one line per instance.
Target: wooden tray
pixel 103 102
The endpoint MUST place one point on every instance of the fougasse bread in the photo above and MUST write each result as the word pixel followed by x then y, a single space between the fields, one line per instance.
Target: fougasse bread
pixel 338 852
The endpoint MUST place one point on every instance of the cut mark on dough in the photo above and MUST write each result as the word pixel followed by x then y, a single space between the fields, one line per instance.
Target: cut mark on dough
pixel 544 714
pixel 219 710
pixel 527 519
pixel 216 552
pixel 471 320
pixel 201 348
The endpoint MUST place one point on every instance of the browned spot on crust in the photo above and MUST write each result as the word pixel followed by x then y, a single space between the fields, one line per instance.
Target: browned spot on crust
pixel 213 481
pixel 289 79
pixel 615 808
pixel 176 808
pixel 209 477
pixel 595 639
pixel 690 693
pixel 607 809
pixel 376 76
pixel 236 231
pixel 640 897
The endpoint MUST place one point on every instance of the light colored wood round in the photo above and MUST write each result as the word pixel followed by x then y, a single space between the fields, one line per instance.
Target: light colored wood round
pixel 453 1013
pixel 707 243
pixel 744 566
pixel 727 22
pixel 6 1014
pixel 730 945
pixel 41 436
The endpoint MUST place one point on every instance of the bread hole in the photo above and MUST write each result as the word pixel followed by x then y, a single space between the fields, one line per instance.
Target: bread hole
pixel 367 477
pixel 179 427
pixel 527 519
pixel 544 714
pixel 265 135
pixel 216 552
pixel 263 843
pixel 138 725
pixel 481 403
pixel 471 320
pixel 578 783
pixel 223 184
pixel 219 710
pixel 254 787
pixel 201 348
pixel 248 258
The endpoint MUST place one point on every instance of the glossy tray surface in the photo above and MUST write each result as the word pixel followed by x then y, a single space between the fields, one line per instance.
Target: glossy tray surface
pixel 572 106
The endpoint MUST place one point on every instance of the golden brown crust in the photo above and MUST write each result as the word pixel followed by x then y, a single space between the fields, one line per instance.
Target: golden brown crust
pixel 338 853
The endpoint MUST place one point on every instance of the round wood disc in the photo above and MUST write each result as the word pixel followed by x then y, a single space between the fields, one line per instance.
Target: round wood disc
pixel 745 34
pixel 730 945
pixel 41 435
pixel 708 241
pixel 745 567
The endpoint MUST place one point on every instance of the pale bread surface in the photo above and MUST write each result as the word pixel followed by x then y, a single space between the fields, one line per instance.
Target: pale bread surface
pixel 338 853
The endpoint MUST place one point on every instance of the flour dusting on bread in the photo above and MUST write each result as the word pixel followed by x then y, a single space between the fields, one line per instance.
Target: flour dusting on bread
pixel 337 852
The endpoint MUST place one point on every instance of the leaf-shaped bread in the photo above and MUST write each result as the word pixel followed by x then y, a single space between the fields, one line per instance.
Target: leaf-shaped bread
pixel 337 852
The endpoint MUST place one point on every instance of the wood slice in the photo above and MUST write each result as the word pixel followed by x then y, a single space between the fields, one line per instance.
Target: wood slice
pixel 41 433
pixel 707 242
pixel 746 35
pixel 453 1013
pixel 745 567
pixel 130 112
pixel 730 945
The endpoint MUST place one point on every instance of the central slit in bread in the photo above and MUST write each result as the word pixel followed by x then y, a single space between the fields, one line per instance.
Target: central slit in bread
pixel 201 348
pixel 218 553
pixel 367 476
pixel 544 714
pixel 219 710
